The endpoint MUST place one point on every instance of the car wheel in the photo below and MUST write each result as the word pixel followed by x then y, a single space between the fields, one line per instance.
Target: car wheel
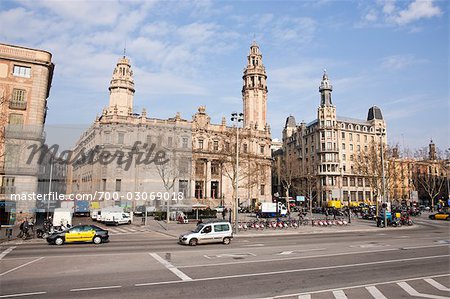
pixel 59 241
pixel 226 241
pixel 97 240
pixel 193 242
pixel 432 217
pixel 129 221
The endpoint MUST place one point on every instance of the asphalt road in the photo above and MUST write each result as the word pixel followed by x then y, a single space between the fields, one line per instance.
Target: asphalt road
pixel 401 263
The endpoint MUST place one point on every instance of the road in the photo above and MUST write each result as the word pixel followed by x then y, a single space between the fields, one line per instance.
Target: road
pixel 400 263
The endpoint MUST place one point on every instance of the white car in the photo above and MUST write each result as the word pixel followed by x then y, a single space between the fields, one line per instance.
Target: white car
pixel 209 232
pixel 117 218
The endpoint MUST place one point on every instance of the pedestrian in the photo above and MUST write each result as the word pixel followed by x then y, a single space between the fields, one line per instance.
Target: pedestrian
pixel 143 220
pixel 229 215
pixel 224 212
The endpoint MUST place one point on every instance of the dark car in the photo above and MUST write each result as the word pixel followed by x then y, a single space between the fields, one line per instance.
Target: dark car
pixel 79 233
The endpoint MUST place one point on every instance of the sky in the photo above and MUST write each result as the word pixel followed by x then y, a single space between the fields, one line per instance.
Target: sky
pixel 392 54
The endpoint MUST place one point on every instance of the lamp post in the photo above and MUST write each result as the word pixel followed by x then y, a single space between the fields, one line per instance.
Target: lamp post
pixel 382 132
pixel 50 186
pixel 236 118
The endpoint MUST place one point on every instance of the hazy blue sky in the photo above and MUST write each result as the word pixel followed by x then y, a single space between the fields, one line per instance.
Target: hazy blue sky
pixel 393 54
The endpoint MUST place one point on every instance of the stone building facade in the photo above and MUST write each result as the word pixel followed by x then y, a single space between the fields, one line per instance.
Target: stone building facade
pixel 201 154
pixel 320 155
pixel 25 81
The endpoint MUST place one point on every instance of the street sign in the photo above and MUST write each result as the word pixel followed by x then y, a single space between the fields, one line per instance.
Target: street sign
pixel 300 198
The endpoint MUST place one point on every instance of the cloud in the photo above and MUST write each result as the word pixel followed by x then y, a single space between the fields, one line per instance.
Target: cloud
pixel 399 62
pixel 391 14
pixel 419 9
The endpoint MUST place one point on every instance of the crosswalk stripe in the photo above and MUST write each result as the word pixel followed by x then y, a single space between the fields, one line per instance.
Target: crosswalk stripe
pixel 339 294
pixel 304 296
pixel 411 291
pixel 437 285
pixel 375 292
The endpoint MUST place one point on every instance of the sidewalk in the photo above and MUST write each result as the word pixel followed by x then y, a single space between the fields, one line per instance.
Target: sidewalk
pixel 174 229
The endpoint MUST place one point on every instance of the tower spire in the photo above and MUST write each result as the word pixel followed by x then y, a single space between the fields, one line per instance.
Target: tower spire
pixel 254 90
pixel 325 90
pixel 121 88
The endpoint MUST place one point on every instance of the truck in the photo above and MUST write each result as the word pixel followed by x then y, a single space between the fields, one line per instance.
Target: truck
pixel 269 209
pixel 81 208
pixel 62 217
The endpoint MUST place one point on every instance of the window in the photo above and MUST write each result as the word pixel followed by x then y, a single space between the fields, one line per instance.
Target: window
pixel 227 146
pixel 261 149
pixel 184 166
pixel 183 188
pixel 343 146
pixel 352 181
pixel 22 71
pixel 104 184
pixel 118 185
pixel 357 137
pixel 350 136
pixel 185 142
pixel 200 143
pixel 245 147
pixel 206 229
pixel 148 139
pixel 120 137
pixel 358 148
pixel 15 119
pixel 351 147
pixel 216 145
pixel 107 137
pixel 221 227
pixel 343 135
pixel 199 168
pixel 262 189
pixel 169 141
pixel 344 157
pixel 215 168
pixel 18 99
pixel 360 182
pixel 345 181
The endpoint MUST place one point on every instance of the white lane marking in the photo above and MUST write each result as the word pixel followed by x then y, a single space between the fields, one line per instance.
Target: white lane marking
pixel 304 296
pixel 95 288
pixel 437 285
pixel 132 230
pixel 375 292
pixel 22 294
pixel 295 258
pixel 411 291
pixel 254 245
pixel 18 267
pixel 339 294
pixel 6 251
pixel 358 286
pixel 170 267
pixel 297 270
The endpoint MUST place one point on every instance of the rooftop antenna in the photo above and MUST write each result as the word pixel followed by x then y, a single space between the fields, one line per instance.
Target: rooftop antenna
pixel 125 49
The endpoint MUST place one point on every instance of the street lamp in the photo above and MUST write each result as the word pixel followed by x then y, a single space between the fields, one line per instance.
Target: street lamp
pixel 236 118
pixel 382 132
pixel 50 186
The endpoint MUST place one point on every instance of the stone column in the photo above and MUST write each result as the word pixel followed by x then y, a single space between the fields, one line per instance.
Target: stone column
pixel 208 179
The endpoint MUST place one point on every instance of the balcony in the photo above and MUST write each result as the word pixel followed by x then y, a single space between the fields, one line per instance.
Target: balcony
pixel 7 189
pixel 23 132
pixel 18 105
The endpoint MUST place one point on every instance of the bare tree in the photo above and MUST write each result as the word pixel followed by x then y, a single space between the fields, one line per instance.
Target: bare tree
pixel 430 176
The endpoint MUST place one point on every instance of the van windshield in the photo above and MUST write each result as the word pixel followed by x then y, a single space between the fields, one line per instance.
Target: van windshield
pixel 198 228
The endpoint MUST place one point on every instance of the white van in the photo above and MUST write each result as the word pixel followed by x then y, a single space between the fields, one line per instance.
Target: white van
pixel 209 232
pixel 94 214
pixel 114 218
pixel 62 217
pixel 101 217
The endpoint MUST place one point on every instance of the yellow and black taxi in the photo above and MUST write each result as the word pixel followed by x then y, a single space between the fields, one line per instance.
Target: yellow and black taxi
pixel 441 216
pixel 79 233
